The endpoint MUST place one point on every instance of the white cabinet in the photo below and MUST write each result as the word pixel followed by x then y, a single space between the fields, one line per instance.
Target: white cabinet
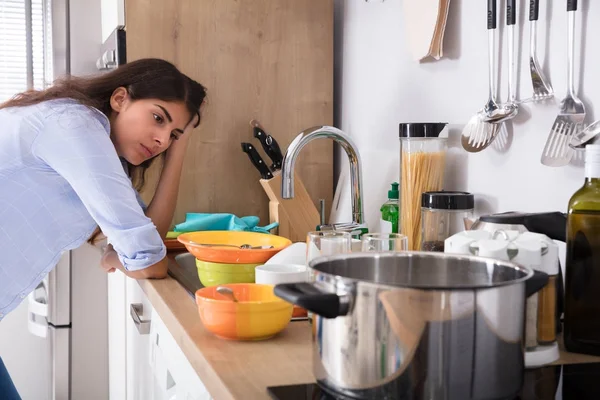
pixel 113 15
pixel 139 367
pixel 145 361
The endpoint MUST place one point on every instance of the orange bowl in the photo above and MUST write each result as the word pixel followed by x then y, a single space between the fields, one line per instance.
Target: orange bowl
pixel 194 242
pixel 257 315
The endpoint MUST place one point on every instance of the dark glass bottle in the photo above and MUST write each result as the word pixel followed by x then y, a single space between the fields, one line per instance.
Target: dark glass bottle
pixel 582 293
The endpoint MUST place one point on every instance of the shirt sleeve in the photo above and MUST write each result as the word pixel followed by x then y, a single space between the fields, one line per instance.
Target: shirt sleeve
pixel 78 147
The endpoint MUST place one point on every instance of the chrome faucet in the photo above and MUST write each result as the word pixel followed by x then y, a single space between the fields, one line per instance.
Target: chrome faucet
pixel 289 160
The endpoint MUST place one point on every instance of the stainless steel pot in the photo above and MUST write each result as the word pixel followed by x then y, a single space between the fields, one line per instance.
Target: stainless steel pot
pixel 417 325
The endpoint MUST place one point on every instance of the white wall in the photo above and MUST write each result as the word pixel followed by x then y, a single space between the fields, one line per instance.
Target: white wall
pixel 380 86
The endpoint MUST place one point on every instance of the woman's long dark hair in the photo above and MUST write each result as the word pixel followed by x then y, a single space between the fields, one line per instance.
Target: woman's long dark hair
pixel 148 78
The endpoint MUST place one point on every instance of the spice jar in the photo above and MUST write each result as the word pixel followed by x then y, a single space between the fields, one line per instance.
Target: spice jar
pixel 444 214
pixel 422 164
pixel 547 314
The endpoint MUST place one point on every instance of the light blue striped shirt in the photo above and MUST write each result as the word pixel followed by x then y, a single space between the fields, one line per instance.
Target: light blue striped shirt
pixel 60 177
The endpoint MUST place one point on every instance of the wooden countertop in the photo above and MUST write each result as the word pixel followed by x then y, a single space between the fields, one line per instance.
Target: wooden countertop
pixel 231 369
pixel 243 370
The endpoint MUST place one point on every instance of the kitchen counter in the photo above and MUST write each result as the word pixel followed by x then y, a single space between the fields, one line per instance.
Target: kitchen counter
pixel 243 370
pixel 231 369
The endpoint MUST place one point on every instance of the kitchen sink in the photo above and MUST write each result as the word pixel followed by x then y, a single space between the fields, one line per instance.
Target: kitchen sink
pixel 184 271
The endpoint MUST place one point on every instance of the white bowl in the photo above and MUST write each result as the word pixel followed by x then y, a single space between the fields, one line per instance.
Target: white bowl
pixel 272 274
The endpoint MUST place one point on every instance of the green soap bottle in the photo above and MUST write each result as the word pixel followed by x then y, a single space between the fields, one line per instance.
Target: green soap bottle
pixel 390 212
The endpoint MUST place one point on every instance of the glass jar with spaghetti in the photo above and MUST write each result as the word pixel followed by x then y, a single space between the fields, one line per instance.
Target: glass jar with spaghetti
pixel 422 163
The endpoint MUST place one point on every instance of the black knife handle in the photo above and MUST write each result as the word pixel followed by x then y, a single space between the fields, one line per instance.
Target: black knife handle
pixel 571 5
pixel 491 14
pixel 257 160
pixel 270 146
pixel 534 10
pixel 511 12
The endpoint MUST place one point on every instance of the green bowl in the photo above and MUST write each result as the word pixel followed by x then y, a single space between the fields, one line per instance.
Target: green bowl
pixel 213 274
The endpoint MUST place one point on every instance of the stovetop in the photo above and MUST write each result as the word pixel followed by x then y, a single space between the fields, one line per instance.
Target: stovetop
pixel 566 382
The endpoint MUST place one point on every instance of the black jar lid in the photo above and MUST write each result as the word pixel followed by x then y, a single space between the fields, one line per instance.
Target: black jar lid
pixel 421 129
pixel 446 200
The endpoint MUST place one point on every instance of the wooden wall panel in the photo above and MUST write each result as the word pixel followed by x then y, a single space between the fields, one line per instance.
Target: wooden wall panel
pixel 266 59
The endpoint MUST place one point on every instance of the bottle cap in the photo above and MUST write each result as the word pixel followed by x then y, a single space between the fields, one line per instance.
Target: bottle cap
pixel 448 200
pixel 394 193
pixel 592 161
pixel 592 153
pixel 421 129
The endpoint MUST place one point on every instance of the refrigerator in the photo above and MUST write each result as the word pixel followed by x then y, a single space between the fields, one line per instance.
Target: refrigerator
pixel 67 312
pixel 55 343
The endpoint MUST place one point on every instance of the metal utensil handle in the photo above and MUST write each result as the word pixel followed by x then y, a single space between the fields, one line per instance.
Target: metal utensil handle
pixel 136 310
pixel 534 10
pixel 571 8
pixel 511 11
pixel 491 23
pixel 533 17
pixel 491 14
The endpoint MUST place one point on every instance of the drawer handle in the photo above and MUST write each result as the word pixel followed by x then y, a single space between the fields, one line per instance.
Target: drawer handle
pixel 143 326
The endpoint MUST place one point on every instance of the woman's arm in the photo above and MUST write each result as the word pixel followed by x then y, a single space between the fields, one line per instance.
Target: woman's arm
pixel 78 148
pixel 162 207
pixel 110 262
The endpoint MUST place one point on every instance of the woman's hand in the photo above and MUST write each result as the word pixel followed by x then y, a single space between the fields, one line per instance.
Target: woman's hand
pixel 162 207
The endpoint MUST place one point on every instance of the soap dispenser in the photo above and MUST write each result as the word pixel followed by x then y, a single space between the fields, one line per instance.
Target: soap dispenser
pixel 390 211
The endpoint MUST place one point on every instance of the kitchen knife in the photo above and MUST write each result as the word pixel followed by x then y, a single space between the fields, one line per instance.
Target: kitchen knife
pixel 257 160
pixel 269 144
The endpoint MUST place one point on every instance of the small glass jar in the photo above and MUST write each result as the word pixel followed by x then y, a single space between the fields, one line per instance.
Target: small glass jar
pixel 422 163
pixel 444 214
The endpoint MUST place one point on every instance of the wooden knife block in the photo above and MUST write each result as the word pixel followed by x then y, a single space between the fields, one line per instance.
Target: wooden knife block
pixel 296 216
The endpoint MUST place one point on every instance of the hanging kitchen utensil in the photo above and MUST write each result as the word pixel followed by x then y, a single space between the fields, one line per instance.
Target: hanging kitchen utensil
pixel 585 136
pixel 423 20
pixel 557 152
pixel 542 89
pixel 479 134
pixel 509 109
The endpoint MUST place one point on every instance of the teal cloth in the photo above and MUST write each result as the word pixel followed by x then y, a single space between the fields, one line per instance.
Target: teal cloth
pixel 222 222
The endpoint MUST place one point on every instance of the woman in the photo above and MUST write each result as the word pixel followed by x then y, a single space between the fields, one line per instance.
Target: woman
pixel 71 159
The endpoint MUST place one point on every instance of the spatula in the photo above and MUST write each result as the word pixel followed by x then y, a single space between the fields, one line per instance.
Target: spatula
pixel 557 151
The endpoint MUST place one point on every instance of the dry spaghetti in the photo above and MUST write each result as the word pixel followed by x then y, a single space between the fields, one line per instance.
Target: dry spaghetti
pixel 420 172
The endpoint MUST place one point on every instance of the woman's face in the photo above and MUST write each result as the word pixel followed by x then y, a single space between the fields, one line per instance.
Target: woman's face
pixel 142 129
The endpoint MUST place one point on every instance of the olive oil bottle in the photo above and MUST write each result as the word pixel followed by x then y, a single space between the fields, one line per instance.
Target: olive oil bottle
pixel 582 293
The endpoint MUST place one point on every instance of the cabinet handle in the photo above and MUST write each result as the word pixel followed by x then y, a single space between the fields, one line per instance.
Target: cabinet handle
pixel 143 326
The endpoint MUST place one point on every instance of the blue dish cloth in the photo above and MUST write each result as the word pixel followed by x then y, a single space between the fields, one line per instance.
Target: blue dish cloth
pixel 222 222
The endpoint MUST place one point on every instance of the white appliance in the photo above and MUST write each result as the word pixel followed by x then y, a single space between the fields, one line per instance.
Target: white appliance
pixel 69 311
pixel 49 317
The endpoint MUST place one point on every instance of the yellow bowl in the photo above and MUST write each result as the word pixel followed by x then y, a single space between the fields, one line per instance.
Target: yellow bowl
pixel 257 315
pixel 193 241
pixel 212 274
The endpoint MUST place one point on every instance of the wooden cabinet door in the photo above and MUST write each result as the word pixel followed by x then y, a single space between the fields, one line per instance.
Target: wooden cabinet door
pixel 271 60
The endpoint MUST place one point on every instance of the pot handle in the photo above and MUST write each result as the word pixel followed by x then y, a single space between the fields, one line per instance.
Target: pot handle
pixel 535 283
pixel 309 296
